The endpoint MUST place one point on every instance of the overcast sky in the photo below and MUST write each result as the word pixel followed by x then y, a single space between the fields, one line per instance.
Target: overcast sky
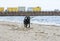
pixel 44 4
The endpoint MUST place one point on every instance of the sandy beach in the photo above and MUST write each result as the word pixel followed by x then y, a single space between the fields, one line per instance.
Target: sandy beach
pixel 11 31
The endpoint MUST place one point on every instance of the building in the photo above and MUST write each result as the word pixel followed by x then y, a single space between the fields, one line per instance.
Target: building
pixel 30 9
pixel 36 9
pixel 21 8
pixel 12 9
pixel 1 9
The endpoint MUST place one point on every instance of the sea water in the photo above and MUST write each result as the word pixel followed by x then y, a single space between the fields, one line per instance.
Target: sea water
pixel 47 20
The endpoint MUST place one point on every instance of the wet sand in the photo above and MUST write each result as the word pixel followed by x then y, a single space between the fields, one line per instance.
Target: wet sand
pixel 11 31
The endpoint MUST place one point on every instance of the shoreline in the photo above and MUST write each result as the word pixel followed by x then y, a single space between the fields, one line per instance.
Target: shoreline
pixel 50 24
pixel 17 23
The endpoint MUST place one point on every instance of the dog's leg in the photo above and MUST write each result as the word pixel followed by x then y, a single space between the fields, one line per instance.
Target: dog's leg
pixel 29 25
pixel 26 25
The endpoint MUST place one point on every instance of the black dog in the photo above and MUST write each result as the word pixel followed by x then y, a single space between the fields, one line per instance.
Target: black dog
pixel 27 21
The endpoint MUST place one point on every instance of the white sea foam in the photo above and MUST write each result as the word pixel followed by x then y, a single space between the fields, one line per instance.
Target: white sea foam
pixel 45 23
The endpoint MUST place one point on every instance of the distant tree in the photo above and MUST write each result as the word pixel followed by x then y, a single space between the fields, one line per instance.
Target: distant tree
pixel 6 10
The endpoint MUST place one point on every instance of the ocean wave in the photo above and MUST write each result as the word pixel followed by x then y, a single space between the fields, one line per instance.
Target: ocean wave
pixel 47 20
